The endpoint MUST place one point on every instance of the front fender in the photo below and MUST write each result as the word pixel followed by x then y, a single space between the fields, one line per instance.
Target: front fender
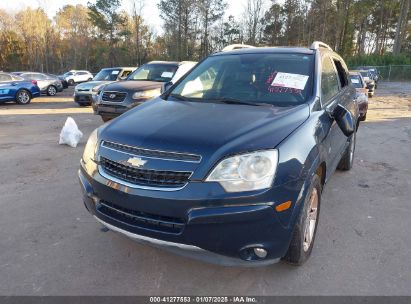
pixel 300 156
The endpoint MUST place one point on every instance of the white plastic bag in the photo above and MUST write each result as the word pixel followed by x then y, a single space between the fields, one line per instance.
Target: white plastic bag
pixel 70 134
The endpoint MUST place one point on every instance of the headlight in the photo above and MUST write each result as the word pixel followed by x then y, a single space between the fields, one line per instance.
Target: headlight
pixel 96 89
pixel 91 147
pixel 246 172
pixel 362 97
pixel 147 94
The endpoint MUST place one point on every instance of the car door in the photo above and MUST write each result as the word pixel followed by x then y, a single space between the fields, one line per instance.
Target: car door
pixel 331 96
pixel 6 87
pixel 83 76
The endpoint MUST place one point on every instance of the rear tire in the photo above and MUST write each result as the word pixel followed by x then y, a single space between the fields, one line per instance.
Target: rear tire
pixel 23 97
pixel 305 229
pixel 347 159
pixel 51 90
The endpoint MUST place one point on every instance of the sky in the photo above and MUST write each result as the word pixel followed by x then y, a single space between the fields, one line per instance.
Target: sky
pixel 235 8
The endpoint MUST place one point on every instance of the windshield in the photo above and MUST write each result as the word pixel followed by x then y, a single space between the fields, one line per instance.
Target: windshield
pixel 154 72
pixel 356 81
pixel 107 74
pixel 68 74
pixel 277 79
pixel 364 74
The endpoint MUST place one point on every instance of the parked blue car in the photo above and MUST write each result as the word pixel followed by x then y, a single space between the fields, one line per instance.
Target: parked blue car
pixel 229 163
pixel 15 88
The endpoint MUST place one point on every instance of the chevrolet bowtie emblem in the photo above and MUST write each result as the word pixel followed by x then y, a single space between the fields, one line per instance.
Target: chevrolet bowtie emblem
pixel 136 162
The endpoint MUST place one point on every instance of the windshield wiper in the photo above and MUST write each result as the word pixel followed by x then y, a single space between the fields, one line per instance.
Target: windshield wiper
pixel 237 101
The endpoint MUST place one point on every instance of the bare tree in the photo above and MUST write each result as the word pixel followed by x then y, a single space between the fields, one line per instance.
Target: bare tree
pixel 253 14
pixel 401 24
pixel 137 13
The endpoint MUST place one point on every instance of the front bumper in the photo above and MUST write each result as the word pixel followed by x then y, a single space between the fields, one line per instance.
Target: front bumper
pixel 113 110
pixel 222 231
pixel 363 108
pixel 83 98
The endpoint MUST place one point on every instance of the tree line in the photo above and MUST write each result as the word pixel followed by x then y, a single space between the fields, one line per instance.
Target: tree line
pixel 102 34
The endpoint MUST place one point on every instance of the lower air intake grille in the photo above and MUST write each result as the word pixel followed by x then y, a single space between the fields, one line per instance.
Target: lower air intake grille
pixel 141 219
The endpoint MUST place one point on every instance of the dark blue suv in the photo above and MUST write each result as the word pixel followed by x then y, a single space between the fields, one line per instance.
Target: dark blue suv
pixel 229 163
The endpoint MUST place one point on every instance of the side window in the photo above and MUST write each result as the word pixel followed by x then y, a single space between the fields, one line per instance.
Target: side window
pixel 28 76
pixel 39 76
pixel 125 74
pixel 342 73
pixel 329 81
pixel 5 77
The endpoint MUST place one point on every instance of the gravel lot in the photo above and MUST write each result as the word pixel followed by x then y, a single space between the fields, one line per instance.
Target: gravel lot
pixel 50 245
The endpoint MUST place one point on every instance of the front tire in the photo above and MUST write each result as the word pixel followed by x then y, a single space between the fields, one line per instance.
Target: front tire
pixel 305 229
pixel 71 82
pixel 23 97
pixel 347 159
pixel 51 90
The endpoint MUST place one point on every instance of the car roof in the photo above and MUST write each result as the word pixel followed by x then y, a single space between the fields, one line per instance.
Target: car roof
pixel 122 68
pixel 265 50
pixel 164 62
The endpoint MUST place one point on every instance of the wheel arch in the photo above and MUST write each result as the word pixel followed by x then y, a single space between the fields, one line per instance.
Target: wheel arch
pixel 23 89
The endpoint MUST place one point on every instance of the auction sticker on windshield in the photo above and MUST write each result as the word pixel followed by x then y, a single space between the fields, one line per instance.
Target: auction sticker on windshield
pixel 294 81
pixel 167 74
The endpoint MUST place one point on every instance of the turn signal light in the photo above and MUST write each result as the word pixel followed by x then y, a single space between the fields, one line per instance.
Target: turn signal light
pixel 283 206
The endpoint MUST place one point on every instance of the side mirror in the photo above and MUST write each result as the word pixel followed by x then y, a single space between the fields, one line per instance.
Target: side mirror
pixel 165 87
pixel 344 120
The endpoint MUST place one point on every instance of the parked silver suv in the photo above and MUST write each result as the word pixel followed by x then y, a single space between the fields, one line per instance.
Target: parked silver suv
pixel 84 92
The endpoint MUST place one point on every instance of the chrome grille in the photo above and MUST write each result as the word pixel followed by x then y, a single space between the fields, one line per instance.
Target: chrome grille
pixel 152 153
pixel 144 177
pixel 113 96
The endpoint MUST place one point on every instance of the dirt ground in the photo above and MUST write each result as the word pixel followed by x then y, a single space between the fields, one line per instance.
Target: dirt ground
pixel 50 245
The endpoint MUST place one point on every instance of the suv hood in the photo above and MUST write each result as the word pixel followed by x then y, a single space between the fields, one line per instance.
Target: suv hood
pixel 212 130
pixel 132 85
pixel 91 84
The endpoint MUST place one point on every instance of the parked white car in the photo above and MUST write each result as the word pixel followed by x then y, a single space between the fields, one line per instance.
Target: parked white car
pixel 72 77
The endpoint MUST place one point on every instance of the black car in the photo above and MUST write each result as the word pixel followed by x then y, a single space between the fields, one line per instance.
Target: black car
pixel 63 81
pixel 143 84
pixel 230 162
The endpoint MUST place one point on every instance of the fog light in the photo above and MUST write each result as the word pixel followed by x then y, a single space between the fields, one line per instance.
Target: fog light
pixel 260 252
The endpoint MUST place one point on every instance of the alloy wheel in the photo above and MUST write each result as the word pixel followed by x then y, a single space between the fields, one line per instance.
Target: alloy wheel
pixel 52 91
pixel 311 220
pixel 23 97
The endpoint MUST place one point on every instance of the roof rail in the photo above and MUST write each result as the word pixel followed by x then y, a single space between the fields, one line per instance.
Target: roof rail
pixel 236 47
pixel 317 44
